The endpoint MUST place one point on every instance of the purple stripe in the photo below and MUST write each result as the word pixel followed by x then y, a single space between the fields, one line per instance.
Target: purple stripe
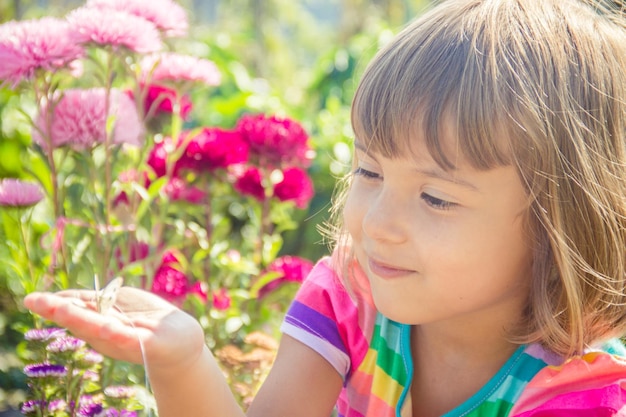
pixel 314 322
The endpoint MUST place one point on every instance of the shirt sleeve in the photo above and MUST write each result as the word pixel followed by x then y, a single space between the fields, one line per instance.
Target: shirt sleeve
pixel 325 318
pixel 591 385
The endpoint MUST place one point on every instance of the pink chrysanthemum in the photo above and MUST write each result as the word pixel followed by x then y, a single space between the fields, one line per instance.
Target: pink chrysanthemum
pixel 115 28
pixel 168 16
pixel 221 299
pixel 16 193
pixel 79 120
pixel 173 67
pixel 211 149
pixel 30 45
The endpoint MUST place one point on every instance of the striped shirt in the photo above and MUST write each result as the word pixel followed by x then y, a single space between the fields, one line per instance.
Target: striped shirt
pixel 372 354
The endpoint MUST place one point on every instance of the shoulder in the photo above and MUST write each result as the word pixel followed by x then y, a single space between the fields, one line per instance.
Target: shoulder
pixel 592 385
pixel 330 319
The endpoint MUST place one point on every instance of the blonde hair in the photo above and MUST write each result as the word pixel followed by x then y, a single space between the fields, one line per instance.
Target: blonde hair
pixel 540 85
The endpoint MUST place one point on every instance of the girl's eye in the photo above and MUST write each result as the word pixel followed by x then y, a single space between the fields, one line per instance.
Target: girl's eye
pixel 365 173
pixel 437 203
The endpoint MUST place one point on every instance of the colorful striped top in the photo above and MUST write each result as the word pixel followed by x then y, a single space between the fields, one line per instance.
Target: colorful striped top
pixel 373 355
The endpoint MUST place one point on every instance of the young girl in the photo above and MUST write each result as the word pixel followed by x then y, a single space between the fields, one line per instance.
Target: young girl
pixel 480 266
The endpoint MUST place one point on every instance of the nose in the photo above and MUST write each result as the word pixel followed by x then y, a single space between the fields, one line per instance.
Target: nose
pixel 386 218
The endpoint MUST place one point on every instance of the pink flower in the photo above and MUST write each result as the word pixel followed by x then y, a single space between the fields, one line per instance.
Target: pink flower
pixel 114 28
pixel 161 99
pixel 290 269
pixel 296 186
pixel 212 149
pixel 16 193
pixel 169 281
pixel 249 183
pixel 173 67
pixel 30 45
pixel 79 120
pixel 136 252
pixel 168 16
pixel 221 299
pixel 177 189
pixel 276 141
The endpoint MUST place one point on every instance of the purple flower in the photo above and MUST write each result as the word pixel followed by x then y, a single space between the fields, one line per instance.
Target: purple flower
pixel 80 117
pixel 16 193
pixel 290 269
pixel 249 183
pixel 32 407
pixel 89 410
pixel 112 412
pixel 114 28
pixel 119 391
pixel 295 186
pixel 43 370
pixel 56 406
pixel 276 141
pixel 30 45
pixel 42 335
pixel 65 344
pixel 212 149
pixel 173 67
pixel 168 16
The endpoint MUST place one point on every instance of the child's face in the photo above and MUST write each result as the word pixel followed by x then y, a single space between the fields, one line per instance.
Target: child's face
pixel 436 245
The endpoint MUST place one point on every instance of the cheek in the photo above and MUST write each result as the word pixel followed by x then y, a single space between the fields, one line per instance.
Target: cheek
pixel 353 213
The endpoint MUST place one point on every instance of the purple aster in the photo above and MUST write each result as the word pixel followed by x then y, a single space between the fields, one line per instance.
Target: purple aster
pixel 56 406
pixel 16 193
pixel 65 344
pixel 90 410
pixel 173 67
pixel 114 28
pixel 79 120
pixel 32 406
pixel 44 370
pixel 112 412
pixel 119 391
pixel 41 335
pixel 168 16
pixel 92 357
pixel 30 45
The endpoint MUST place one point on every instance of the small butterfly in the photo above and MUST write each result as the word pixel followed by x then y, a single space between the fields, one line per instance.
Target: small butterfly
pixel 105 298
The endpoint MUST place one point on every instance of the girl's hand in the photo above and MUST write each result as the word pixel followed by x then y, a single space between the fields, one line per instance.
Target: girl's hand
pixel 171 339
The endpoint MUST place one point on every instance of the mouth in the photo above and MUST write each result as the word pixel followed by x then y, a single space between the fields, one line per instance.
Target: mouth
pixel 387 271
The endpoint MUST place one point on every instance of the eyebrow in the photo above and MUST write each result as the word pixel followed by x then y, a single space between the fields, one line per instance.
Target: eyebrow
pixel 431 173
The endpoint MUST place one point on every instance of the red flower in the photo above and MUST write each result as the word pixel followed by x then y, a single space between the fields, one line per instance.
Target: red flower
pixel 290 268
pixel 177 189
pixel 160 99
pixel 221 299
pixel 249 183
pixel 169 281
pixel 213 148
pixel 276 141
pixel 295 186
pixel 157 159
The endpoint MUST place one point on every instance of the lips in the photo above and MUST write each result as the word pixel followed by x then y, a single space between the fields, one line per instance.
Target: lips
pixel 387 271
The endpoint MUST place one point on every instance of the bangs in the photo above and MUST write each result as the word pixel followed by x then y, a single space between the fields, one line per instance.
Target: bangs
pixel 442 86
